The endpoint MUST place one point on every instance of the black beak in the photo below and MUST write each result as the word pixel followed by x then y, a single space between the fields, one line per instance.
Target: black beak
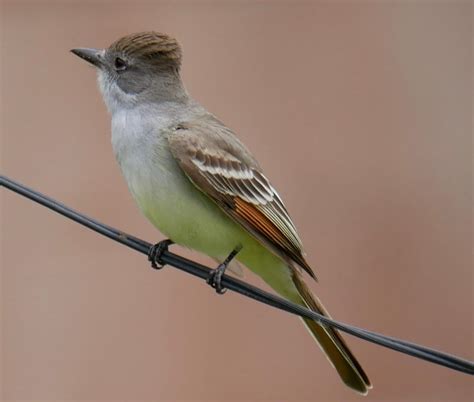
pixel 93 56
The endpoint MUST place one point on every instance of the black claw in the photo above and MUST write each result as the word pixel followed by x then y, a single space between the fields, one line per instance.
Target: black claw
pixel 154 255
pixel 215 275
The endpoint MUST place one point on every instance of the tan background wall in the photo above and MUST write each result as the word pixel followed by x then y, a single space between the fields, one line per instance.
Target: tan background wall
pixel 360 114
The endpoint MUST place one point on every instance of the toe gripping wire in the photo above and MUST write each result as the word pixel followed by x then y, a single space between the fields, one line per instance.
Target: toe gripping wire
pixel 156 251
pixel 215 275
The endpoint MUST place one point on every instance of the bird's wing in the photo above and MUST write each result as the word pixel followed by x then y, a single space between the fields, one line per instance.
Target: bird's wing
pixel 221 167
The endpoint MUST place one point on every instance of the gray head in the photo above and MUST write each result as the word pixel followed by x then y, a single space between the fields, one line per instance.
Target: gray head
pixel 141 67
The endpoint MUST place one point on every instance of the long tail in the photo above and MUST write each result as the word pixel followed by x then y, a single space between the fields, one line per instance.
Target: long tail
pixel 332 343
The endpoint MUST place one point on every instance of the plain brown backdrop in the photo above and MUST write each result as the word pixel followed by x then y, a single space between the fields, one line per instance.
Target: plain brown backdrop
pixel 360 113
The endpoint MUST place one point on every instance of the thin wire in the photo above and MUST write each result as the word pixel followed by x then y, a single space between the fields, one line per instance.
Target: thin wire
pixel 201 271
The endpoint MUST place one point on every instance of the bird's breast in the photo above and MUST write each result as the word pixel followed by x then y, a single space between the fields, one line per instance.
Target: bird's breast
pixel 162 191
pixel 141 149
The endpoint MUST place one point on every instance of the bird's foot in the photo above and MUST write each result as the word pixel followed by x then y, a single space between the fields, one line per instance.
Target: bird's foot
pixel 215 275
pixel 154 255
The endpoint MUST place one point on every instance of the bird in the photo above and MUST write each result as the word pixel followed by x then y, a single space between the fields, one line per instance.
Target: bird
pixel 199 185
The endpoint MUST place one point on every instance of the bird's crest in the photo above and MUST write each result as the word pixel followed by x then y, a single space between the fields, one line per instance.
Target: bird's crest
pixel 152 46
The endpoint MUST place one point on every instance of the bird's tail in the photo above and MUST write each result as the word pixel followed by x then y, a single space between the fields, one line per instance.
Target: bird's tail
pixel 331 342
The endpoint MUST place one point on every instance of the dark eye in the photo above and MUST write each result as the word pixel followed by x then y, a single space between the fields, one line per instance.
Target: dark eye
pixel 120 64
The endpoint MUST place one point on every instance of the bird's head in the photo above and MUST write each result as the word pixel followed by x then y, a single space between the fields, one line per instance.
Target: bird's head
pixel 138 67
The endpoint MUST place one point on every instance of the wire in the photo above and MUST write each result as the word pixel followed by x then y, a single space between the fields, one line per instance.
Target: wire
pixel 201 271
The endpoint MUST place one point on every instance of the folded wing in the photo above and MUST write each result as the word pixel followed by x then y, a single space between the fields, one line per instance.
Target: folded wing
pixel 220 166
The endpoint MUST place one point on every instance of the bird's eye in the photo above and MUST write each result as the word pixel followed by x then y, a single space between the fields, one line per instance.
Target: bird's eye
pixel 120 64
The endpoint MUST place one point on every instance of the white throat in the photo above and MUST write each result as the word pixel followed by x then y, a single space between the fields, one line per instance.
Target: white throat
pixel 115 99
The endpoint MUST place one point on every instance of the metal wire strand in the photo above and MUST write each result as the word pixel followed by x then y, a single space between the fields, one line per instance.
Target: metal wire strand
pixel 236 285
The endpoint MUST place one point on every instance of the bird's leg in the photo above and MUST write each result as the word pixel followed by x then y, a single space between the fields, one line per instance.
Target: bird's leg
pixel 215 275
pixel 155 252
